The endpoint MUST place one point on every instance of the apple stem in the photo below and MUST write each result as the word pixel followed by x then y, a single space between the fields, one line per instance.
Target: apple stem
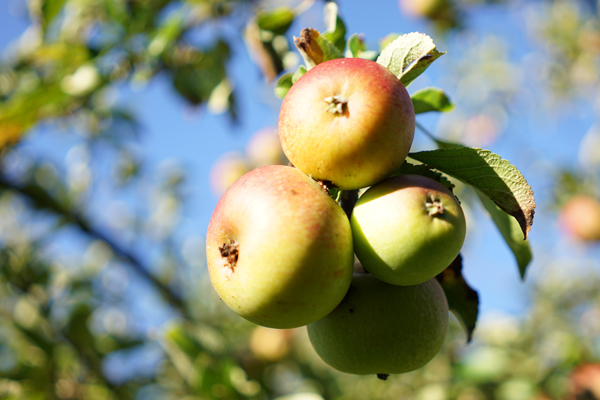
pixel 336 104
pixel 348 199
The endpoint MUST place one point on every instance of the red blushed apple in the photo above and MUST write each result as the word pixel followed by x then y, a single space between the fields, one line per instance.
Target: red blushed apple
pixel 580 216
pixel 349 121
pixel 279 249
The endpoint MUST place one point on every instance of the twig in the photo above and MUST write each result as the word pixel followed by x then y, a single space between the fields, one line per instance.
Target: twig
pixel 44 200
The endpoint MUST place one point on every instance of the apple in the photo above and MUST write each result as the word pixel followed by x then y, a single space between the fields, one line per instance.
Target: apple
pixel 264 148
pixel 349 121
pixel 279 249
pixel 423 8
pixel 407 229
pixel 382 329
pixel 580 216
pixel 227 169
pixel 270 344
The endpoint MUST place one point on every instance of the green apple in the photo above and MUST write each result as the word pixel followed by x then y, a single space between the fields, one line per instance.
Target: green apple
pixel 580 217
pixel 349 121
pixel 382 329
pixel 279 249
pixel 407 229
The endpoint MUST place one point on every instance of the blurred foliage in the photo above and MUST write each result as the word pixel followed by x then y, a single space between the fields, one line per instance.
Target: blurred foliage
pixel 107 302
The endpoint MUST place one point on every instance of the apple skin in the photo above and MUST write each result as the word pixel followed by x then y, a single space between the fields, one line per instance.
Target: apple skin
pixel 279 249
pixel 407 229
pixel 580 217
pixel 360 142
pixel 382 329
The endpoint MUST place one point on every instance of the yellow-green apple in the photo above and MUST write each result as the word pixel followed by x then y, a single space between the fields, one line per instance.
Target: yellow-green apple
pixel 271 344
pixel 423 8
pixel 226 170
pixel 349 121
pixel 264 148
pixel 580 217
pixel 382 329
pixel 407 229
pixel 279 249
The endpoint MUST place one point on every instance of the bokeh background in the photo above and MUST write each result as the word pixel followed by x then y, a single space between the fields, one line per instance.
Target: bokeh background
pixel 122 121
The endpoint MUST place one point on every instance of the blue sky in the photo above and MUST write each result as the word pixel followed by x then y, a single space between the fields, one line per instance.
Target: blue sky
pixel 532 139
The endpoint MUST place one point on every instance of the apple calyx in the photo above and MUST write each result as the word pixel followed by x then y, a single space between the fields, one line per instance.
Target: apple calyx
pixel 231 252
pixel 336 104
pixel 434 206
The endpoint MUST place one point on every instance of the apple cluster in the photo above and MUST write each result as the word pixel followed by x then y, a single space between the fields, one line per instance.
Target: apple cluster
pixel 281 251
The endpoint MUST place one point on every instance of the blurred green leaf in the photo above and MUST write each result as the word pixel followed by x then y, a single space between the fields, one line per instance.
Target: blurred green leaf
pixel 277 20
pixel 357 48
pixel 283 84
pixel 50 9
pixel 462 299
pixel 511 232
pixel 298 74
pixel 431 99
pixel 196 74
pixel 335 27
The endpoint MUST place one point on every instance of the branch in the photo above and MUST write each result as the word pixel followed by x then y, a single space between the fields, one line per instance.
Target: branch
pixel 44 200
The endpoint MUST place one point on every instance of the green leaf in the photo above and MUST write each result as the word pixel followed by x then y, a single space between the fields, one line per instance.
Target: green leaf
pixel 336 29
pixel 283 84
pixel 277 20
pixel 498 179
pixel 50 9
pixel 298 74
pixel 357 48
pixel 442 144
pixel 314 48
pixel 166 35
pixel 201 74
pixel 285 81
pixel 424 170
pixel 511 232
pixel 431 99
pixel 408 56
pixel 463 301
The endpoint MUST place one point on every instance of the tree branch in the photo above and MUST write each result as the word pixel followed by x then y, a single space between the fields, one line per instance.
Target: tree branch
pixel 44 200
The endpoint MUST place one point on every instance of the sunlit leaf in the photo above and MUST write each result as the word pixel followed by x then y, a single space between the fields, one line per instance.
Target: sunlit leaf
pixel 431 99
pixel 314 48
pixel 408 56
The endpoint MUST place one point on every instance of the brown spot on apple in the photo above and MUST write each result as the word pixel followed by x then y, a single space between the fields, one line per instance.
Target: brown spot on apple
pixel 230 252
